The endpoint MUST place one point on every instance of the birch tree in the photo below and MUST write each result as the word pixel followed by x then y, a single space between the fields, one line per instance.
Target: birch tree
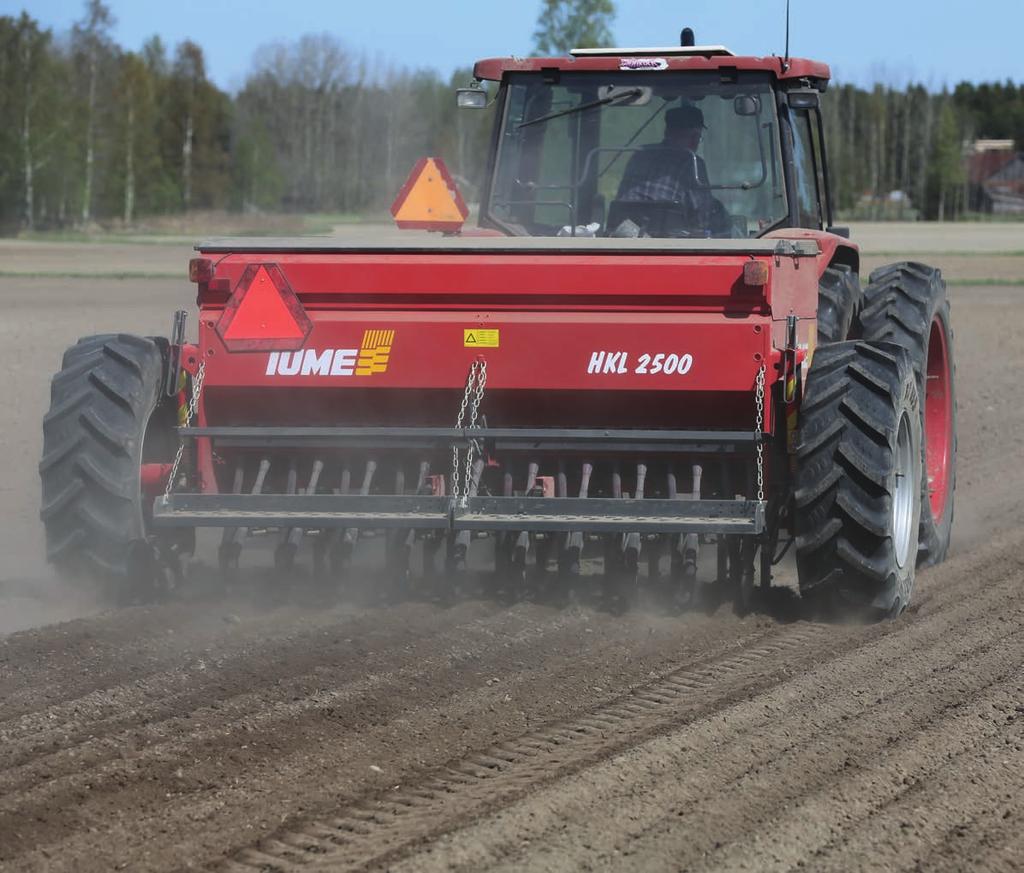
pixel 92 41
pixel 567 24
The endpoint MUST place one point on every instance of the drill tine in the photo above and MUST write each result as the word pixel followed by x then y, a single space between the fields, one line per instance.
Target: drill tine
pixel 296 533
pixel 576 537
pixel 371 468
pixel 562 490
pixel 231 533
pixel 691 547
pixel 284 554
pixel 463 538
pixel 641 480
pixel 617 495
pixel 531 477
pixel 230 548
pixel 523 540
pixel 257 488
pixel 291 488
pixel 352 533
pixel 686 549
pixel 632 542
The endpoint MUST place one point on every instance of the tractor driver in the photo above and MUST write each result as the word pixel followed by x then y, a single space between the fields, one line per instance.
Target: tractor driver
pixel 672 172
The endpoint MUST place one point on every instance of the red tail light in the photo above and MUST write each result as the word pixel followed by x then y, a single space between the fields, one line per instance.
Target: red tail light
pixel 200 270
pixel 755 273
pixel 264 313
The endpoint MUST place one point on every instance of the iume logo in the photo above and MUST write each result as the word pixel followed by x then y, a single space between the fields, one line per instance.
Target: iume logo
pixel 370 358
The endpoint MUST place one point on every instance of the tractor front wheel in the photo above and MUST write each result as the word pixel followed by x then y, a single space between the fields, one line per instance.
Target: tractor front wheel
pixel 105 419
pixel 858 482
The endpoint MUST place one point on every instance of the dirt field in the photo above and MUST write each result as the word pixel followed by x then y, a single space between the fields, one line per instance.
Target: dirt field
pixel 229 734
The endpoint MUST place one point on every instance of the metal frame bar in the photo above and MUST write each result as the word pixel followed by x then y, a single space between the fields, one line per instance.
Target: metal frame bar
pixel 304 510
pixel 328 511
pixel 607 515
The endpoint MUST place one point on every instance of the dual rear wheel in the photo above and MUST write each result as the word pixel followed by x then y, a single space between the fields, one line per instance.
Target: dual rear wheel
pixel 877 448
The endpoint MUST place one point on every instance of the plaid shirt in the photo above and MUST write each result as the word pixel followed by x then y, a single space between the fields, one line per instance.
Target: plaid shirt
pixel 660 172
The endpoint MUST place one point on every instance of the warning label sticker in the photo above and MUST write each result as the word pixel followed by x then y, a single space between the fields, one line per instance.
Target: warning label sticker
pixel 480 338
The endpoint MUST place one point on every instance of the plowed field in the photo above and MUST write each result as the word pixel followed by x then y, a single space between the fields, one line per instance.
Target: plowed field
pixel 250 733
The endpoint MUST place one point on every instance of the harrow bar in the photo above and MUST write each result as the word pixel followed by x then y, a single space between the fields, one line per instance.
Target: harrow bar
pixel 330 511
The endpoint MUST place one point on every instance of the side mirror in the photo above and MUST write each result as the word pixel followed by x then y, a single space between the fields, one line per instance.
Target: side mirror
pixel 745 104
pixel 473 97
pixel 804 98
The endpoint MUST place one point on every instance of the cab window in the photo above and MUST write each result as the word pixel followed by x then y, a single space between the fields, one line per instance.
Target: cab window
pixel 808 201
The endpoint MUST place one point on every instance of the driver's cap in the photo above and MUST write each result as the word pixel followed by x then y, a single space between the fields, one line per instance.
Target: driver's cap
pixel 683 117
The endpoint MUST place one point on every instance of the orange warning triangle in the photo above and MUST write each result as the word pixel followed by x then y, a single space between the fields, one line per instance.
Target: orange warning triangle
pixel 429 199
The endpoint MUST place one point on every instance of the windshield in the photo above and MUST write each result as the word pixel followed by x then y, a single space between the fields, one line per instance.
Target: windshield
pixel 638 154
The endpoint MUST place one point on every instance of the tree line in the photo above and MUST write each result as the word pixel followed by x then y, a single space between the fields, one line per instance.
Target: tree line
pixel 93 132
pixel 909 140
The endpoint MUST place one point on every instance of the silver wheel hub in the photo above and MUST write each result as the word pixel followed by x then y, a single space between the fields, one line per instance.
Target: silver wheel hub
pixel 903 494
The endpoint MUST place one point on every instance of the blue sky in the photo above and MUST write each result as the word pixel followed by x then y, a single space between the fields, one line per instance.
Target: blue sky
pixel 891 41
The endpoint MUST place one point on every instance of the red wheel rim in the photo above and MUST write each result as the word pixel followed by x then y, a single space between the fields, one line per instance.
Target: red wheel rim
pixel 938 419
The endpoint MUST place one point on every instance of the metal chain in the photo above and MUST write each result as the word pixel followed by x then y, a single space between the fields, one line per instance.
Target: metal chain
pixel 193 405
pixel 476 381
pixel 759 427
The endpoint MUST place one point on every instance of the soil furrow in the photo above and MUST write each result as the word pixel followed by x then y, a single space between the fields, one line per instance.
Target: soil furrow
pixel 571 755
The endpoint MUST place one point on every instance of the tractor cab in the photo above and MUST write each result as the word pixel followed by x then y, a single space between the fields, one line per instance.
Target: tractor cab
pixel 683 142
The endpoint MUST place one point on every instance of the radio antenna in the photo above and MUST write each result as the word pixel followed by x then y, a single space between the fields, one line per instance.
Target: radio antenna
pixel 785 60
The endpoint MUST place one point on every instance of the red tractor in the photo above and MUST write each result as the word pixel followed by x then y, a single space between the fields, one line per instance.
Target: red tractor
pixel 654 340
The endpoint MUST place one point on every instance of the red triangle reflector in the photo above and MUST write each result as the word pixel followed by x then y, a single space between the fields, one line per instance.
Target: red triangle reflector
pixel 263 313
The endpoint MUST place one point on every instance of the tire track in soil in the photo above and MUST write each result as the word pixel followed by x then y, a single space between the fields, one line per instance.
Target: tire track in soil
pixel 939 815
pixel 676 829
pixel 873 775
pixel 684 831
pixel 383 828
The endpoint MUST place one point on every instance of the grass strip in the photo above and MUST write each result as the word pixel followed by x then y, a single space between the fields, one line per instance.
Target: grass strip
pixel 997 283
pixel 867 253
pixel 57 274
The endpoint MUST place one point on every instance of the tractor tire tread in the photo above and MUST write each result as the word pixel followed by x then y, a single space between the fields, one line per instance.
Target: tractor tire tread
pixel 839 302
pixel 101 401
pixel 842 498
pixel 901 302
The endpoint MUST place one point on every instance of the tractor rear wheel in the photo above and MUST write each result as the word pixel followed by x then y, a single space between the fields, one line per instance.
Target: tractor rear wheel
pixel 839 302
pixel 858 482
pixel 103 421
pixel 906 304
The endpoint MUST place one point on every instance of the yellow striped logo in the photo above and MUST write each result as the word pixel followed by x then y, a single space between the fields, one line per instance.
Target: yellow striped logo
pixel 375 352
